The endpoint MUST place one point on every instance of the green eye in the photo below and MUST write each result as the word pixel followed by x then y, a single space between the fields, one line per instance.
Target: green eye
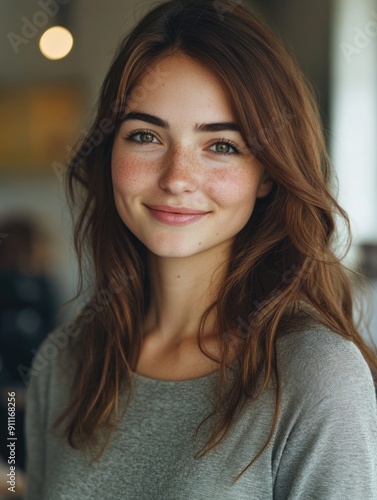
pixel 222 147
pixel 145 137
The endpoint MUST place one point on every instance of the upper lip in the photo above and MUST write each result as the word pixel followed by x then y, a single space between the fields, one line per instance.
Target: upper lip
pixel 176 210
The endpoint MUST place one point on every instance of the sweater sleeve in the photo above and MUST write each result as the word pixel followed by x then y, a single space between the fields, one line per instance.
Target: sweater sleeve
pixel 331 449
pixel 35 425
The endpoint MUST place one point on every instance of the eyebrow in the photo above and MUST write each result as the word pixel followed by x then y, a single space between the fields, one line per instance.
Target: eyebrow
pixel 203 127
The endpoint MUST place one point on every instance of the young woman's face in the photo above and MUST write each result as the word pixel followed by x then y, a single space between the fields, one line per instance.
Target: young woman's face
pixel 182 184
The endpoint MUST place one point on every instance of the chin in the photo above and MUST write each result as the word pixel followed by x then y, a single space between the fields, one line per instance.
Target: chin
pixel 172 252
pixel 176 249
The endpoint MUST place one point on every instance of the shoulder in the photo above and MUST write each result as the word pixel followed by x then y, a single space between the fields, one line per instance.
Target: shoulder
pixel 318 361
pixel 50 376
pixel 317 346
pixel 53 354
pixel 326 439
pixel 49 381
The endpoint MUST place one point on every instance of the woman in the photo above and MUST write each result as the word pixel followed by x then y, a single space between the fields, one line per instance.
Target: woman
pixel 218 357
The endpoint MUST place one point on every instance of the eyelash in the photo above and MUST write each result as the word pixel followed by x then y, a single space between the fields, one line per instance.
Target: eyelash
pixel 130 136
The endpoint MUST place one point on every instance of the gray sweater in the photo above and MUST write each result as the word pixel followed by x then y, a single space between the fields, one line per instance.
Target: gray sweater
pixel 324 446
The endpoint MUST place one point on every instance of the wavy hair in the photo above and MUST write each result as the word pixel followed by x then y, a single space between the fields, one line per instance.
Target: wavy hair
pixel 282 260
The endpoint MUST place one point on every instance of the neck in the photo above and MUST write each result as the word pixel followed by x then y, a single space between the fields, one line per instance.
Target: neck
pixel 181 290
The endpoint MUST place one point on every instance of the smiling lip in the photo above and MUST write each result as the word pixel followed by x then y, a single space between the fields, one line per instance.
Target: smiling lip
pixel 175 216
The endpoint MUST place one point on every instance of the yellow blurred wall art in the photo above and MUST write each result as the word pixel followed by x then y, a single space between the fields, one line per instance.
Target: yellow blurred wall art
pixel 38 125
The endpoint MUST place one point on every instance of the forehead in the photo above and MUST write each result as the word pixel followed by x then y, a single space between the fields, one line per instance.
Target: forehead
pixel 182 85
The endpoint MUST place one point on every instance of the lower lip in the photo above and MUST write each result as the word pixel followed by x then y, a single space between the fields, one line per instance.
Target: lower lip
pixel 174 219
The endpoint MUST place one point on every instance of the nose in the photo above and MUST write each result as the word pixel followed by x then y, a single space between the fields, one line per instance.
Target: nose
pixel 179 173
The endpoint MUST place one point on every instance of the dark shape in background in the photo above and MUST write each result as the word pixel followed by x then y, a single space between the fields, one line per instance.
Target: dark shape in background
pixel 28 309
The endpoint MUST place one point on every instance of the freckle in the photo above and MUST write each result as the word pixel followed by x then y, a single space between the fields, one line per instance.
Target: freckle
pixel 178 276
pixel 200 242
pixel 217 234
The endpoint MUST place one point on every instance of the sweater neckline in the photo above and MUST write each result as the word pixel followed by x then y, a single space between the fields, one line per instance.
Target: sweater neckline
pixel 152 380
pixel 189 381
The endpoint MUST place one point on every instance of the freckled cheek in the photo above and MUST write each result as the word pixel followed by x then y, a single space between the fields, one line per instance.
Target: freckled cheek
pixel 132 174
pixel 233 190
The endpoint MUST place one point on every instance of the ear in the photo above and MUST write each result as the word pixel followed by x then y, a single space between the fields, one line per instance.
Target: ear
pixel 265 185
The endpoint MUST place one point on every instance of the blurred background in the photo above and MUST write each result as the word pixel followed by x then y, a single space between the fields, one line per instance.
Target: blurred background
pixel 47 99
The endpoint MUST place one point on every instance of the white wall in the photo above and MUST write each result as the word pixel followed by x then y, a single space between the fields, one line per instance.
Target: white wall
pixel 354 112
pixel 354 124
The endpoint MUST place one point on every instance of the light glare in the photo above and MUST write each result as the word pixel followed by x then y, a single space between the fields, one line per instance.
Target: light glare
pixel 56 43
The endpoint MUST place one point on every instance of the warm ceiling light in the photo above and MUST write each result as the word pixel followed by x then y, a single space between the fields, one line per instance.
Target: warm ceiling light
pixel 56 42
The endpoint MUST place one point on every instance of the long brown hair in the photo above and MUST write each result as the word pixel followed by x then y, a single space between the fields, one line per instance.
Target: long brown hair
pixel 283 258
